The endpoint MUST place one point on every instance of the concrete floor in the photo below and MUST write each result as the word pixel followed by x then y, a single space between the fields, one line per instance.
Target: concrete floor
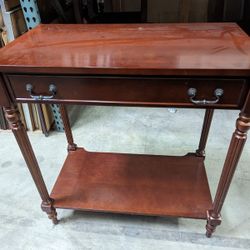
pixel 116 129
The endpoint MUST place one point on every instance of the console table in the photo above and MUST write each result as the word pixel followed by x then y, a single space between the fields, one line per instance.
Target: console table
pixel 203 65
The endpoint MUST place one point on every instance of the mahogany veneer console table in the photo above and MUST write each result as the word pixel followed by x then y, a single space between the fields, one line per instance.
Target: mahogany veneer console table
pixel 155 65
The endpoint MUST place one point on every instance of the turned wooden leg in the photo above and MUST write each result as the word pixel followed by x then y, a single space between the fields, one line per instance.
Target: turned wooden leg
pixel 71 145
pixel 205 130
pixel 48 208
pixel 13 117
pixel 233 155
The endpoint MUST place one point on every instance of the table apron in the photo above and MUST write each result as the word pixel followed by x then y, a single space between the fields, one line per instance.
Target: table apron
pixel 129 91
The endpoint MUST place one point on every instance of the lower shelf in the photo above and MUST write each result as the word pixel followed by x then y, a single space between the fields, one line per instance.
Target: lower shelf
pixel 134 184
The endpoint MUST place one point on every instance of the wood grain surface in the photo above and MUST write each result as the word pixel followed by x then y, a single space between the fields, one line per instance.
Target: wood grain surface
pixel 153 49
pixel 135 184
pixel 137 91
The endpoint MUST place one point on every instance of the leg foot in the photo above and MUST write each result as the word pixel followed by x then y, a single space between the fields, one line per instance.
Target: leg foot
pixel 200 153
pixel 72 147
pixel 213 220
pixel 50 210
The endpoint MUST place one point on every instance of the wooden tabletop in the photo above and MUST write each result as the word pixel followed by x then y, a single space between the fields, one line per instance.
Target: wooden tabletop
pixel 140 49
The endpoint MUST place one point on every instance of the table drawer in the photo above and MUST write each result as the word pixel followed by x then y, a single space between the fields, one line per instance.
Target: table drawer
pixel 128 90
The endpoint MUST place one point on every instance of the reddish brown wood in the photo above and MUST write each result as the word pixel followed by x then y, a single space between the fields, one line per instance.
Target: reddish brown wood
pixel 205 131
pixel 135 184
pixel 150 91
pixel 48 207
pixel 4 99
pixel 137 64
pixel 13 117
pixel 233 155
pixel 67 128
pixel 138 49
pixel 246 109
pixel 213 220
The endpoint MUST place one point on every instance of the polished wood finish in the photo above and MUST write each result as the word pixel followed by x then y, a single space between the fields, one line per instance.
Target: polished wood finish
pixel 67 128
pixel 13 117
pixel 233 155
pixel 130 90
pixel 204 133
pixel 134 184
pixel 137 49
pixel 139 65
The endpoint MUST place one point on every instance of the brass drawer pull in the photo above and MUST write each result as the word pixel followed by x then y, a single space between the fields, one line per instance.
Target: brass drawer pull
pixel 52 90
pixel 218 93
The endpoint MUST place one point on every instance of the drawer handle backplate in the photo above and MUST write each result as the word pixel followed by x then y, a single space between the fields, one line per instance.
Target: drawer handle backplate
pixel 218 93
pixel 52 90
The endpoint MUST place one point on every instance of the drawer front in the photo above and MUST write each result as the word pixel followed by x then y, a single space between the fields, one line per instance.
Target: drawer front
pixel 128 91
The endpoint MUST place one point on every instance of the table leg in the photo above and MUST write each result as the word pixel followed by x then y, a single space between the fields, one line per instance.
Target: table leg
pixel 13 117
pixel 233 155
pixel 71 145
pixel 205 130
pixel 42 119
